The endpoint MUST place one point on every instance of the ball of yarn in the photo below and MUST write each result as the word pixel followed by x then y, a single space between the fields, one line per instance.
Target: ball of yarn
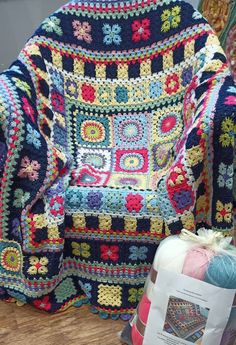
pixel 196 262
pixel 143 308
pixel 137 338
pixel 171 254
pixel 221 271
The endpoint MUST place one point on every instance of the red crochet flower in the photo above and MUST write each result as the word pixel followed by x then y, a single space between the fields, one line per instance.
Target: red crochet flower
pixel 172 83
pixel 57 206
pixel 88 93
pixel 109 252
pixel 133 202
pixel 43 303
pixel 141 30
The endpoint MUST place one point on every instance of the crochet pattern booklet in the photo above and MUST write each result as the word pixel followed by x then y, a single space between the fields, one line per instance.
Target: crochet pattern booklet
pixel 187 311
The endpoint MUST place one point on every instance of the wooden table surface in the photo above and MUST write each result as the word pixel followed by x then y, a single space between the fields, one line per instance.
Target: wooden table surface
pixel 28 326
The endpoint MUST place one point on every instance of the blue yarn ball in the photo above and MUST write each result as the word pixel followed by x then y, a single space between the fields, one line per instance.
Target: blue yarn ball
pixel 221 271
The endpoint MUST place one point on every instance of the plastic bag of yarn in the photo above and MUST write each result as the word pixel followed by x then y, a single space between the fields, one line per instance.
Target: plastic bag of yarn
pixel 206 257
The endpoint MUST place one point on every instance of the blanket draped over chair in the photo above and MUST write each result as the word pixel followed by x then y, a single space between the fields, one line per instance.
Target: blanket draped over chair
pixel 117 130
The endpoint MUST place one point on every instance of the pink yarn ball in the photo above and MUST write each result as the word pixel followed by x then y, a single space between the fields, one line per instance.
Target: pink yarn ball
pixel 143 308
pixel 196 262
pixel 137 338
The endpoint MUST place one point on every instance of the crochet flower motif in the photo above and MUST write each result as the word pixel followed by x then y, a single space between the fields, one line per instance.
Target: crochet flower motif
pixel 111 34
pixel 94 200
pixel 183 199
pixel 10 259
pixel 81 249
pixel 57 206
pixel 20 198
pixel 229 130
pixel 224 212
pixel 141 30
pixel 71 88
pixel 171 18
pixel 225 178
pixel 109 252
pixel 73 199
pixel 52 24
pixel 172 84
pixel 29 169
pixel 33 136
pixel 88 93
pixel 43 303
pixel 121 94
pixel 138 253
pixel 133 202
pixel 82 31
pixel 135 295
pixel 28 108
pixel 38 265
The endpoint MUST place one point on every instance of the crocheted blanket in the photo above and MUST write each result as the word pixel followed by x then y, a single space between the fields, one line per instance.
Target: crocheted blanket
pixel 117 130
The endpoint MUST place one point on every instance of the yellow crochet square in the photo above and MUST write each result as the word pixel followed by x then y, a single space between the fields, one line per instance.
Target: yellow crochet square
pixel 168 60
pixel 79 220
pixel 156 225
pixel 195 155
pixel 122 71
pixel 130 223
pixel 109 295
pixel 79 67
pixel 57 59
pixel 145 68
pixel 105 222
pixel 187 219
pixel 189 49
pixel 53 232
pixel 40 221
pixel 101 71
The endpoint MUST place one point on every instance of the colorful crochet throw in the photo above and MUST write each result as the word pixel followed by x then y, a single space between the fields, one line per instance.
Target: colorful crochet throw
pixel 117 130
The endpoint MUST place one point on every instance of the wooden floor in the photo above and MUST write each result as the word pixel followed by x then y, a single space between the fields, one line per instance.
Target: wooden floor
pixel 28 326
